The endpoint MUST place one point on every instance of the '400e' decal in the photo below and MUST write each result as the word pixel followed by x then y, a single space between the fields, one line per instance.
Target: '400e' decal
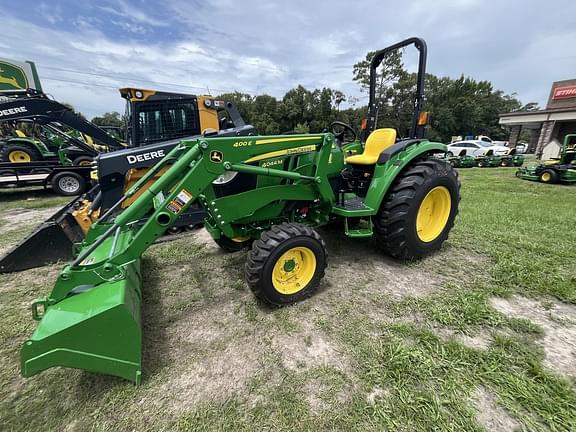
pixel 242 143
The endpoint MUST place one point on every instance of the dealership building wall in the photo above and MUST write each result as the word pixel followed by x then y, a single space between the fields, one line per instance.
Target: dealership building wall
pixel 548 126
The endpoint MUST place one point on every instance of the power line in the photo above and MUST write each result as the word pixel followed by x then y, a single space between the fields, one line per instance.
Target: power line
pixel 135 79
pixel 78 82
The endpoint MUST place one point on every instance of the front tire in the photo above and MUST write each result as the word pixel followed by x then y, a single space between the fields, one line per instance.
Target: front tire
pixel 233 245
pixel 418 211
pixel 286 264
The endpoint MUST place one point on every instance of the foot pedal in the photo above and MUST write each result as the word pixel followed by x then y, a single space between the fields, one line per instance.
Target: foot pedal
pixel 359 230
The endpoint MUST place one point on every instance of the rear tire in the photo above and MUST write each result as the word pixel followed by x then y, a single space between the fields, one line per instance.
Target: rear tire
pixel 286 264
pixel 548 176
pixel 19 153
pixel 68 183
pixel 418 212
pixel 82 161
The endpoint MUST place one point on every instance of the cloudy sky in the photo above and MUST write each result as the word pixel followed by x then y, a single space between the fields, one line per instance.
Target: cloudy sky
pixel 85 50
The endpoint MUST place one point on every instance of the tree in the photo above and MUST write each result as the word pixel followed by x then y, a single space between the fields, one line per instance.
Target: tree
pixel 71 107
pixel 390 71
pixel 337 98
pixel 112 118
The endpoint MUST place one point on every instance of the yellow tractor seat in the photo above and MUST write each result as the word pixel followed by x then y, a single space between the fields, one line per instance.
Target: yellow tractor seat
pixel 377 142
pixel 20 134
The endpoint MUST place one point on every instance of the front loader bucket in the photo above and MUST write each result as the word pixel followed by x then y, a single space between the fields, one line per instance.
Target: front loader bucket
pixel 95 329
pixel 50 242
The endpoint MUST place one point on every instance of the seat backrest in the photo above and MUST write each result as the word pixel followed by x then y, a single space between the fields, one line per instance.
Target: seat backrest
pixel 489 153
pixel 20 134
pixel 379 140
pixel 462 153
pixel 511 152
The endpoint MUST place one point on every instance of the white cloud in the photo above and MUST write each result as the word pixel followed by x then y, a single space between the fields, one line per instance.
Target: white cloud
pixel 184 66
pixel 272 46
pixel 134 13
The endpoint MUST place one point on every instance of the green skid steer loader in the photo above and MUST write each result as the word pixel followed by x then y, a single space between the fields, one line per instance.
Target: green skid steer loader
pixel 561 170
pixel 403 195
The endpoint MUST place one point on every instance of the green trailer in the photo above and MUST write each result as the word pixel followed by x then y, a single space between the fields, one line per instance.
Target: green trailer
pixel 264 193
pixel 560 170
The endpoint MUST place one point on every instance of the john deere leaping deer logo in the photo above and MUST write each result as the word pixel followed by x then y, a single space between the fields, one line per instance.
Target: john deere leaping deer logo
pixel 216 156
pixel 12 77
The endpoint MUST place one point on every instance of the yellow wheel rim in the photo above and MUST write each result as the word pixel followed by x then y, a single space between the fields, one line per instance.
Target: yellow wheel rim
pixel 546 177
pixel 240 239
pixel 19 156
pixel 294 270
pixel 433 214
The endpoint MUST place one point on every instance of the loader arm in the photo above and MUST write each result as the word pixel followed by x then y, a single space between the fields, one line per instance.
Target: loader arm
pixel 99 292
pixel 37 106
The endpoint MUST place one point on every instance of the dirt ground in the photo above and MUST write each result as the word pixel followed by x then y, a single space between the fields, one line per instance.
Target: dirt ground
pixel 207 340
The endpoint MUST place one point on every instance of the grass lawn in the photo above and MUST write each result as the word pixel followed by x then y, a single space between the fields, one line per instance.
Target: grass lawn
pixel 481 336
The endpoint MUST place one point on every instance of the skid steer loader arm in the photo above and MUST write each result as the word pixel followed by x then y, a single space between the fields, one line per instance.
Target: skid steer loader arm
pixel 91 319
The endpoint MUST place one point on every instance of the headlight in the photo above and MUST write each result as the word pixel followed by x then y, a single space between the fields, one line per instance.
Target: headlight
pixel 227 177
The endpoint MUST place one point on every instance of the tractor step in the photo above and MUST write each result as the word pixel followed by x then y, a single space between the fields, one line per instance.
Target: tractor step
pixel 359 230
pixel 352 207
pixel 356 203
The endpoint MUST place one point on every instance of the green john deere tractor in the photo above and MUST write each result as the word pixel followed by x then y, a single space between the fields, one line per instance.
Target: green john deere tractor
pixel 30 142
pixel 462 160
pixel 561 170
pixel 268 193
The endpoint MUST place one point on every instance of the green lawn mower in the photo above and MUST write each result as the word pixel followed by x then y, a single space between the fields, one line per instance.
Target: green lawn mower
pixel 561 170
pixel 512 158
pixel 266 193
pixel 462 160
pixel 489 159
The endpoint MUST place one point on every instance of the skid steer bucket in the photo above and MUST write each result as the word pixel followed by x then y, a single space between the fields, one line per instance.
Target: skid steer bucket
pixel 51 242
pixel 95 328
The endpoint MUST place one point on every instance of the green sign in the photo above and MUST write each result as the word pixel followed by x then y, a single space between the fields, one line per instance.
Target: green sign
pixel 16 75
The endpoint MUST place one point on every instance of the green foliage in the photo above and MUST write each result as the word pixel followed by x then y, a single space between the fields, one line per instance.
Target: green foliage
pixel 461 106
pixel 109 119
pixel 300 110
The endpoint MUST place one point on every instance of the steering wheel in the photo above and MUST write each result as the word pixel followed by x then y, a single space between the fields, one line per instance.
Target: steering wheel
pixel 340 130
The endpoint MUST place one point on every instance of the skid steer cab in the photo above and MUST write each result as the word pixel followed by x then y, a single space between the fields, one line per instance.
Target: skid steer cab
pixel 268 194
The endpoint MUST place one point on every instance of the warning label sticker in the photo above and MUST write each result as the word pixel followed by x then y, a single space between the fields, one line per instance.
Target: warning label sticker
pixel 179 201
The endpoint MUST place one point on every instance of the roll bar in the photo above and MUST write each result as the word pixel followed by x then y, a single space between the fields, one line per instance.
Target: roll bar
pixel 416 131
